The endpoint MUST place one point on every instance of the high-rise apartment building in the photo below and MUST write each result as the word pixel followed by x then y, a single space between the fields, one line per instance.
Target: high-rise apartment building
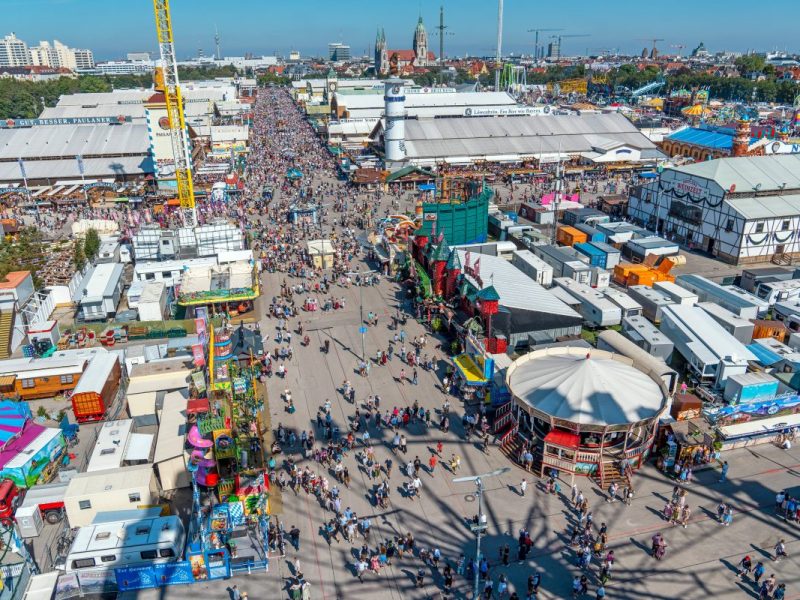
pixel 44 55
pixel 14 52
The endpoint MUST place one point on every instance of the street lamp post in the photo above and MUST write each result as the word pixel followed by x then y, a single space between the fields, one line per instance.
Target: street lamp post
pixel 480 527
pixel 361 327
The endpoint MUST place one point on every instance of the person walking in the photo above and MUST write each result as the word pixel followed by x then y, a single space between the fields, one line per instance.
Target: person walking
pixel 522 487
pixel 765 592
pixel 403 376
pixel 235 593
pixel 612 492
pixel 758 572
pixel 432 464
pixel 724 475
pixel 601 593
pixel 780 551
pixel 744 567
pixel 361 567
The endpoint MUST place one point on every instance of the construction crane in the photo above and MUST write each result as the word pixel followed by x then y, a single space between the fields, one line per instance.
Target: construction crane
pixel 175 116
pixel 536 33
pixel 679 48
pixel 654 51
pixel 559 37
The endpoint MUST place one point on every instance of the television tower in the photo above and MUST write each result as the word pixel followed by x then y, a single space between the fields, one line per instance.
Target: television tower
pixel 216 41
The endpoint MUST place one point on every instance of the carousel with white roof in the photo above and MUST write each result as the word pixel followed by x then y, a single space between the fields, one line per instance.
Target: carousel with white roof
pixel 587 411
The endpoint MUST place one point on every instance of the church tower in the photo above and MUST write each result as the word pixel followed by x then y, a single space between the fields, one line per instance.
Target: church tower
pixel 381 54
pixel 420 44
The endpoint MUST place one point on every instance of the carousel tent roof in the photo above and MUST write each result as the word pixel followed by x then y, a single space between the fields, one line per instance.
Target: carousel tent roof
pixel 586 387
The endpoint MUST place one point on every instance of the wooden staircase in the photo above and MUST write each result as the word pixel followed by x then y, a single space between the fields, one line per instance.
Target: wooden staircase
pixel 6 326
pixel 782 259
pixel 608 473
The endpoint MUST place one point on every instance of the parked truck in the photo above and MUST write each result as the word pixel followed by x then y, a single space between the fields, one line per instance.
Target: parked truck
pixel 49 499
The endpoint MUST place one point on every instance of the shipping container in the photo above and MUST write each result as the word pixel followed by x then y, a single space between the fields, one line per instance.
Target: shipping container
pixel 592 234
pixel 533 266
pixel 750 387
pixel 652 301
pixel 613 255
pixel 622 273
pixel 569 236
pixel 648 277
pixel 597 258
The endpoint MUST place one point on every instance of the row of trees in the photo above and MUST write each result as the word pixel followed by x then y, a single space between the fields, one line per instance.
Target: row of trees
pixel 742 89
pixel 26 99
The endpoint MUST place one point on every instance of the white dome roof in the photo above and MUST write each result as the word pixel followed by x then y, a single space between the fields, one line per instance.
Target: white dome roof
pixel 590 387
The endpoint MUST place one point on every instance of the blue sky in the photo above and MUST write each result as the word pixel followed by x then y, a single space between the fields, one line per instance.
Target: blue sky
pixel 113 27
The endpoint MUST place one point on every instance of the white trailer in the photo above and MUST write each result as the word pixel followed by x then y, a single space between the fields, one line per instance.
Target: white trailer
pixel 628 306
pixel 133 541
pixel 778 291
pixel 595 308
pixel 533 266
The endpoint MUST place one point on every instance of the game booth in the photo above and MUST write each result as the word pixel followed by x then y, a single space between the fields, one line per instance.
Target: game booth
pixel 28 452
pixel 474 371
pixel 228 467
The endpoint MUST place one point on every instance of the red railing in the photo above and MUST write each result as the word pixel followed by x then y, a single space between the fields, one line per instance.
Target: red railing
pixel 502 417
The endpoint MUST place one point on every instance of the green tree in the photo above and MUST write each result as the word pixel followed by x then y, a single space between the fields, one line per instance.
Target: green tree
pixel 91 244
pixel 78 257
pixel 25 253
pixel 750 63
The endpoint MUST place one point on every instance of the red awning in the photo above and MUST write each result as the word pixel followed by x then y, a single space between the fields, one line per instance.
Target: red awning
pixel 197 405
pixel 565 439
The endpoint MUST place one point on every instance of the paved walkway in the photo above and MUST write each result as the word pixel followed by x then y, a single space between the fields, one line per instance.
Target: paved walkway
pixel 699 561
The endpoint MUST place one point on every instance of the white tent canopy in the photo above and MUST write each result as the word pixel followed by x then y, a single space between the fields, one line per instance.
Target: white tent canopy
pixel 588 387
